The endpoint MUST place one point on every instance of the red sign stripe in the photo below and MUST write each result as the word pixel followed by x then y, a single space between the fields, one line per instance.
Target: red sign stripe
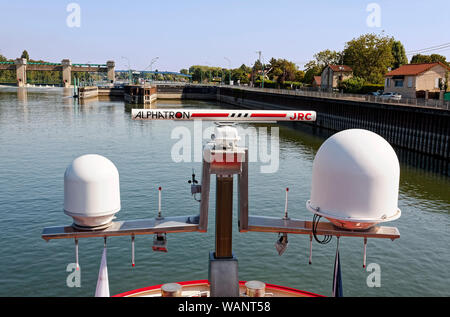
pixel 274 115
pixel 209 115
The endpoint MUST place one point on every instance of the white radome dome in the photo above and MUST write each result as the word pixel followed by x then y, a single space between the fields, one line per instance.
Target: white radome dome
pixel 355 180
pixel 91 191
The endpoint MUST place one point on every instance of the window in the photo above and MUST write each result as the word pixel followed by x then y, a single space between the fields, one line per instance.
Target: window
pixel 388 82
pixel 410 82
pixel 399 83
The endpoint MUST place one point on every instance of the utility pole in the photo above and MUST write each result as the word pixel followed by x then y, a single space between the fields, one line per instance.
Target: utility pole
pixel 262 65
pixel 229 66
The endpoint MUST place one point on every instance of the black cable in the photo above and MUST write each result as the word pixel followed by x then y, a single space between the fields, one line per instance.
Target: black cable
pixel 418 51
pixel 315 223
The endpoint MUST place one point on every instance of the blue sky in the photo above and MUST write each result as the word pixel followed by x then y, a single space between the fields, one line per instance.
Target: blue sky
pixel 184 33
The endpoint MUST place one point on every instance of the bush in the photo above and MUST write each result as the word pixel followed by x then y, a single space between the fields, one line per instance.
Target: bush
pixel 292 85
pixel 267 84
pixel 352 85
pixel 357 85
pixel 371 88
pixel 273 84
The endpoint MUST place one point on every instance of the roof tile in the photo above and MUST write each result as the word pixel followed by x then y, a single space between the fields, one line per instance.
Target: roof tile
pixel 413 69
pixel 341 68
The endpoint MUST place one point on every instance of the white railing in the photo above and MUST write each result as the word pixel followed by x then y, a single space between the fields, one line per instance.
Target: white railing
pixel 428 103
pixel 314 92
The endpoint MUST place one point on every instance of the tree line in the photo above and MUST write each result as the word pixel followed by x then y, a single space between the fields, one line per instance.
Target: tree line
pixel 370 56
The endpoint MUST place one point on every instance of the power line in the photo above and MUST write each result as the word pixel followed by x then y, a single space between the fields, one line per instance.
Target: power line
pixel 429 49
pixel 439 49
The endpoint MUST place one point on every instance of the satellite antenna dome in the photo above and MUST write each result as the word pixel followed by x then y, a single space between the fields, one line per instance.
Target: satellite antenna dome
pixel 226 135
pixel 91 191
pixel 355 180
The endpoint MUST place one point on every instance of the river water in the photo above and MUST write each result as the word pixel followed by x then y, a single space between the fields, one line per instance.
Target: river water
pixel 42 130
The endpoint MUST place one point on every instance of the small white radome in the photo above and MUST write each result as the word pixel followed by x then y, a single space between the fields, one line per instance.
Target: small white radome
pixel 91 191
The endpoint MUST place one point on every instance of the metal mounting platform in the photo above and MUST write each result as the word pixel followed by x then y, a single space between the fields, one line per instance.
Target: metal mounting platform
pixel 293 226
pixel 127 228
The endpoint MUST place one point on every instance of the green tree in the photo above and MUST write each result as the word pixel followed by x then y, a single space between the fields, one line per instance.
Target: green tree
pixel 257 66
pixel 433 58
pixel 399 54
pixel 321 60
pixel 370 56
pixel 25 55
pixel 246 69
pixel 328 57
pixel 299 76
pixel 6 76
pixel 197 73
pixel 311 69
pixel 242 74
pixel 281 70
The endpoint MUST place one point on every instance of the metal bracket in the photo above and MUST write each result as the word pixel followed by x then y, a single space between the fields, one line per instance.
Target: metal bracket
pixel 294 226
pixel 127 228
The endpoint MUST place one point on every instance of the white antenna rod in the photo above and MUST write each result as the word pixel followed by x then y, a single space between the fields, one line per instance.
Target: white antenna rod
pixel 132 250
pixel 76 254
pixel 364 257
pixel 159 202
pixel 310 248
pixel 286 205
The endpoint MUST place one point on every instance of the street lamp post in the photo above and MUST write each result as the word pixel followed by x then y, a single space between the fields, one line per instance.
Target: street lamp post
pixel 130 79
pixel 152 62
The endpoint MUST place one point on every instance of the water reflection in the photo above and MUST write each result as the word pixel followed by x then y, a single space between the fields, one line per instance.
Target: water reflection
pixel 22 95
pixel 57 132
pixel 68 96
pixel 426 187
pixel 88 101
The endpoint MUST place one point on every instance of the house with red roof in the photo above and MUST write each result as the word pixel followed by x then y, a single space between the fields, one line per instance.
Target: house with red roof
pixel 410 78
pixel 332 75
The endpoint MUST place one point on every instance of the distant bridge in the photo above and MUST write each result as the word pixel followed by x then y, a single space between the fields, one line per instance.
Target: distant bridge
pixel 21 66
pixel 154 72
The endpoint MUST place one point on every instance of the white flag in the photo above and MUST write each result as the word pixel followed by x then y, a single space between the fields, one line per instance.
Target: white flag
pixel 102 289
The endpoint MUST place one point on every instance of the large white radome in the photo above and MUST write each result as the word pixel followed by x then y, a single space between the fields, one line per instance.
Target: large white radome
pixel 91 190
pixel 355 180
